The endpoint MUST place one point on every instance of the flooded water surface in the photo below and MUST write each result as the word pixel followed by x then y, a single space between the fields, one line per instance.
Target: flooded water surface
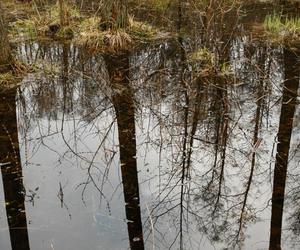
pixel 153 148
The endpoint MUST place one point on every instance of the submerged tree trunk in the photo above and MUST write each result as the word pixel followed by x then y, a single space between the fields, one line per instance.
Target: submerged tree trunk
pixel 5 52
pixel 290 88
pixel 11 171
pixel 118 68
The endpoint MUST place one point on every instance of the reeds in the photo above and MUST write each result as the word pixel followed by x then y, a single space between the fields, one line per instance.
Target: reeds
pixel 282 27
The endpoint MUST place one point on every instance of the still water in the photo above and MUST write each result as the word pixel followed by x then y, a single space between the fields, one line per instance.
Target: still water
pixel 151 149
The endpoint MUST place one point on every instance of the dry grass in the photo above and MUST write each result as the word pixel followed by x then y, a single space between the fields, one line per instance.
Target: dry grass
pixel 141 30
pixel 88 31
pixel 112 40
pixel 24 29
pixel 14 76
pixel 91 35
pixel 6 78
pixel 203 55
pixel 9 81
pixel 39 24
pixel 117 40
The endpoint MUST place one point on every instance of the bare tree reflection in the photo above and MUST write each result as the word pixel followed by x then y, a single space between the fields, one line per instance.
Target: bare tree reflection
pixel 205 131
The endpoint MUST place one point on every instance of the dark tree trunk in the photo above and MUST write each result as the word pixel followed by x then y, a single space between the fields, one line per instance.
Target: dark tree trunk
pixel 118 68
pixel 11 171
pixel 290 88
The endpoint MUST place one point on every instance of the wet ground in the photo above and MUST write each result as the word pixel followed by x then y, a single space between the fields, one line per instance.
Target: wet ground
pixel 159 148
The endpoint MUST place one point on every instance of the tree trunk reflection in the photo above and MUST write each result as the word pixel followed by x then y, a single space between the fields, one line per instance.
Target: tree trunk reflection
pixel 118 69
pixel 290 88
pixel 11 171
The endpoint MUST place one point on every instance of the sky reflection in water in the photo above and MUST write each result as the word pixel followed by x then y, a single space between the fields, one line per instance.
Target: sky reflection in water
pixel 221 132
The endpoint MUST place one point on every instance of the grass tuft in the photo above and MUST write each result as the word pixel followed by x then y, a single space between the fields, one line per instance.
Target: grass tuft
pixel 89 33
pixel 279 27
pixel 273 23
pixel 203 55
pixel 92 32
pixel 118 39
pixel 141 29
pixel 94 38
